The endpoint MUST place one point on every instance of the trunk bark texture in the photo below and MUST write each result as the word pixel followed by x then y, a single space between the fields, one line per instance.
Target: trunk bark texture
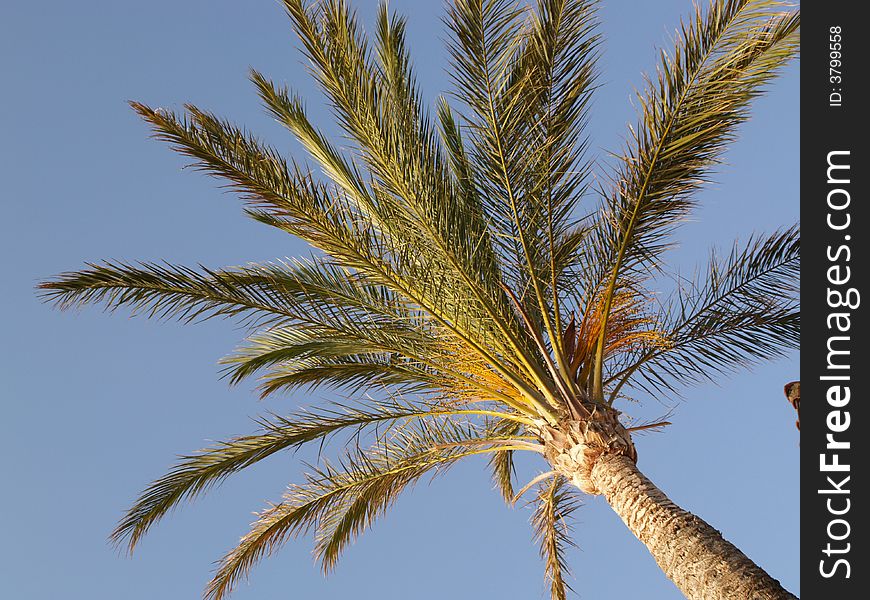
pixel 598 456
pixel 695 556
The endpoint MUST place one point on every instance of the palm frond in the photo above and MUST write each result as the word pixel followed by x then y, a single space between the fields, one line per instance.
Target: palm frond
pixel 526 76
pixel 197 473
pixel 501 463
pixel 555 502
pixel 487 40
pixel 297 290
pixel 353 374
pixel 402 225
pixel 290 199
pixel 291 348
pixel 340 501
pixel 689 113
pixel 559 59
pixel 288 109
pixel 168 291
pixel 381 109
pixel 743 309
pixel 298 204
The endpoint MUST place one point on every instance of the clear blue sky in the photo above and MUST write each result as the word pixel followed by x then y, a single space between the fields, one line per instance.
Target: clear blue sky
pixel 96 406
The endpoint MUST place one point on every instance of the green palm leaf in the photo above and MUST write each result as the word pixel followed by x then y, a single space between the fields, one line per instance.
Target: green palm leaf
pixel 555 502
pixel 743 309
pixel 501 463
pixel 340 501
pixel 688 115
pixel 302 291
pixel 196 473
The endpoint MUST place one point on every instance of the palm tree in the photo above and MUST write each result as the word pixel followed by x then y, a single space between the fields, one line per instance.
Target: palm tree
pixel 457 278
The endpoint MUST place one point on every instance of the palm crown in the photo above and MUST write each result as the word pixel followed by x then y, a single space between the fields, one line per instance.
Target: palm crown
pixel 467 265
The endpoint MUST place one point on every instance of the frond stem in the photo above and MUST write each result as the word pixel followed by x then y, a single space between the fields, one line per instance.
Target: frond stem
pixel 531 483
pixel 598 388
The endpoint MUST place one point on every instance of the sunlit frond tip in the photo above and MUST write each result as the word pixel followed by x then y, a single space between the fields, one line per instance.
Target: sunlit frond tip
pixel 337 502
pixel 195 474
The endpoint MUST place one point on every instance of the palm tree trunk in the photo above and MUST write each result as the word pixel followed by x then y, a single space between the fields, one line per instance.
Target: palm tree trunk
pixel 703 564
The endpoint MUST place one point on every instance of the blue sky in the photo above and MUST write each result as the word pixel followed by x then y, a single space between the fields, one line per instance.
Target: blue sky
pixel 95 406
